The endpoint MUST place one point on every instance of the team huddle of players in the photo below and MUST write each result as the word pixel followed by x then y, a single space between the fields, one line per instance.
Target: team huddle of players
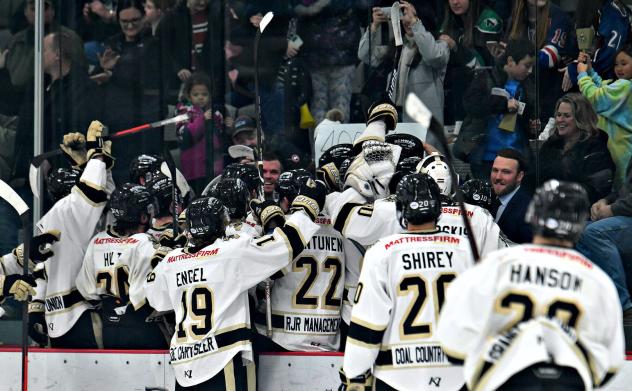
pixel 373 259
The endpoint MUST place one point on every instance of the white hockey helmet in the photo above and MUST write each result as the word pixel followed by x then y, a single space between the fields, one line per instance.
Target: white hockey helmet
pixel 437 167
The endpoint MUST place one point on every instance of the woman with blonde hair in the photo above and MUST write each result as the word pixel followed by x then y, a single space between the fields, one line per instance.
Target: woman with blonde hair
pixel 577 151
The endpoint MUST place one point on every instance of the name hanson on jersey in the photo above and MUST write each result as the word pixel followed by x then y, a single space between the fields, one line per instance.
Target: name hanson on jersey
pixel 544 276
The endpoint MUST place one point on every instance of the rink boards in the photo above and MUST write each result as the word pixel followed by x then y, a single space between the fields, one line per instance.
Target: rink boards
pixel 56 370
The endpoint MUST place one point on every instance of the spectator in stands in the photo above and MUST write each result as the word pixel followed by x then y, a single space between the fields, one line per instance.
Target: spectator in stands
pixel 192 135
pixel 612 33
pixel 606 241
pixel 494 119
pixel 613 104
pixel 98 22
pixel 577 151
pixel 154 11
pixel 130 76
pixel 244 131
pixel 506 178
pixel 468 28
pixel 20 56
pixel 552 32
pixel 423 60
pixel 192 39
pixel 71 101
pixel 331 33
pixel 272 169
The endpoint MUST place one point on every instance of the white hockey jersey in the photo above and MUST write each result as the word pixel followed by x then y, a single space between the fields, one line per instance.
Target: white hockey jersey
pixel 242 228
pixel 401 290
pixel 306 299
pixel 76 216
pixel 101 273
pixel 366 223
pixel 207 290
pixel 9 265
pixel 495 316
pixel 136 260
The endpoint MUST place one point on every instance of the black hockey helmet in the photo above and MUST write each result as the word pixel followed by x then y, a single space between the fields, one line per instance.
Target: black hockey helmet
pixel 207 218
pixel 418 199
pixel 246 172
pixel 60 182
pixel 479 192
pixel 159 186
pixel 404 167
pixel 411 145
pixel 130 201
pixel 142 165
pixel 290 182
pixel 558 210
pixel 344 167
pixel 234 194
pixel 336 155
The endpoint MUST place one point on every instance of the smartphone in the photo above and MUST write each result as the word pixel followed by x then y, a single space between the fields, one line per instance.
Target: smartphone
pixel 296 42
pixel 387 11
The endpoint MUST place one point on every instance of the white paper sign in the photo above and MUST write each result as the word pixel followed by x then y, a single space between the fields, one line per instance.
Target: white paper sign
pixel 328 133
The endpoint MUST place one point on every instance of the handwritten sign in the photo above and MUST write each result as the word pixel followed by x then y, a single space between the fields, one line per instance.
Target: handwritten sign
pixel 327 134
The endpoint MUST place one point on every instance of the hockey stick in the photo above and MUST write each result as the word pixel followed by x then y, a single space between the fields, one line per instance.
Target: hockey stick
pixel 397 32
pixel 37 161
pixel 10 196
pixel 259 151
pixel 171 165
pixel 418 111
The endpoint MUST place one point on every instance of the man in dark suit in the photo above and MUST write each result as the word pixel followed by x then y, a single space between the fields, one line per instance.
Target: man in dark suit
pixel 507 174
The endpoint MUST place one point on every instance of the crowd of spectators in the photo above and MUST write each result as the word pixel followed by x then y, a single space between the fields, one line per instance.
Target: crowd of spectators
pixel 494 70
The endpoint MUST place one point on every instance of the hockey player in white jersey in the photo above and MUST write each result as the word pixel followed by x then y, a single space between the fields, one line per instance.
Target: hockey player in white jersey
pixel 402 287
pixel 537 316
pixel 12 282
pixel 366 223
pixel 159 186
pixel 206 285
pixel 103 280
pixel 235 196
pixel 307 295
pixel 69 319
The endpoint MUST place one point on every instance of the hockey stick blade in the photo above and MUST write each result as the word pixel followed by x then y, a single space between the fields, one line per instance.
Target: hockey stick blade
pixel 241 151
pixel 265 21
pixel 396 22
pixel 10 196
pixel 418 111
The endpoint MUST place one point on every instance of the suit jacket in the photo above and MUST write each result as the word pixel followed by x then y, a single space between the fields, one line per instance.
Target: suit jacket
pixel 512 220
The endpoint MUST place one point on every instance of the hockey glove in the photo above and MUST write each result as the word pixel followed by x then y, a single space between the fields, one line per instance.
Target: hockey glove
pixel 37 323
pixel 97 146
pixel 371 172
pixel 167 240
pixel 74 148
pixel 358 383
pixel 268 214
pixel 330 175
pixel 311 198
pixel 18 286
pixel 39 248
pixel 112 309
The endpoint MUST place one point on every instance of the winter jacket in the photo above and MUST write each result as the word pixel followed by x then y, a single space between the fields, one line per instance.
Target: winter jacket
pixel 427 72
pixel 480 106
pixel 613 104
pixel 588 163
pixel 175 36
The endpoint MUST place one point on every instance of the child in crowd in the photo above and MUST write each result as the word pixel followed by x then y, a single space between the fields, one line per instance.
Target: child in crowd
pixel 192 135
pixel 613 103
pixel 497 107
